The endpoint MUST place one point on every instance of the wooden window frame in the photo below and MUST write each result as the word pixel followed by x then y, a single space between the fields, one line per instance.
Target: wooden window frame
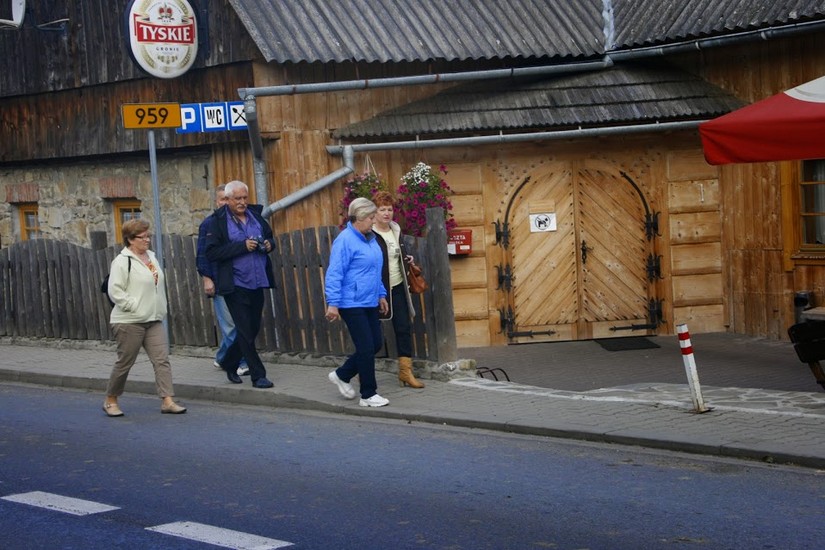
pixel 119 207
pixel 28 232
pixel 796 253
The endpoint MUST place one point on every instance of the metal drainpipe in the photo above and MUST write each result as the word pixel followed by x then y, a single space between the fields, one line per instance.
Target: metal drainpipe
pixel 348 168
pixel 258 161
pixel 291 89
pixel 514 138
pixel 715 42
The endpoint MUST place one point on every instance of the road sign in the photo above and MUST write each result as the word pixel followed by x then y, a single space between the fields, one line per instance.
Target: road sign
pixel 212 117
pixel 151 115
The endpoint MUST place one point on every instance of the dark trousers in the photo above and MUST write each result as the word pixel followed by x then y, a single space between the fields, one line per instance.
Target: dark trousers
pixel 365 331
pixel 246 307
pixel 401 324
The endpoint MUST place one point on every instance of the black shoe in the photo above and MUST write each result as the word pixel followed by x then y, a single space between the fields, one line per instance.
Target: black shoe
pixel 261 383
pixel 233 377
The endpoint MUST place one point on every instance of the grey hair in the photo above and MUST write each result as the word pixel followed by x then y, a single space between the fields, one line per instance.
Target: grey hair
pixel 233 186
pixel 362 208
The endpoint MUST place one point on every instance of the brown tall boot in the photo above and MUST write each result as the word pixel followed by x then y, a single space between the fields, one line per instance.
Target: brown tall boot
pixel 405 374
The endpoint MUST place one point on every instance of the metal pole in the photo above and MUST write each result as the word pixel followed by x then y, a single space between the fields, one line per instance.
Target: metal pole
pixel 158 238
pixel 690 369
pixel 157 244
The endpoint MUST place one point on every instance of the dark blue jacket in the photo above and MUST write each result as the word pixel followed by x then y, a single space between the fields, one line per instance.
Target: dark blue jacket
pixel 204 266
pixel 221 251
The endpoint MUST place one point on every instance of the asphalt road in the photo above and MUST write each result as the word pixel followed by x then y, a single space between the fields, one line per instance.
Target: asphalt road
pixel 253 477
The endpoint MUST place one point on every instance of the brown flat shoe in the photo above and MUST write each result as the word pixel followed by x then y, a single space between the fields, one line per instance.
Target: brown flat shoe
pixel 111 409
pixel 174 408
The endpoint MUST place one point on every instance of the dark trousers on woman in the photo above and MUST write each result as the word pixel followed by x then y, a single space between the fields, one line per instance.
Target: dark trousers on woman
pixel 246 307
pixel 365 331
pixel 401 324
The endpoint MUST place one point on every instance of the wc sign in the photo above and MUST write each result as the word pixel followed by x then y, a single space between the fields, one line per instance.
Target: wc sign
pixel 212 117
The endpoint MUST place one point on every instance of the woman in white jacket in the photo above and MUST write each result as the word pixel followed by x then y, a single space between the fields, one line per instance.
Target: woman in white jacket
pixel 138 289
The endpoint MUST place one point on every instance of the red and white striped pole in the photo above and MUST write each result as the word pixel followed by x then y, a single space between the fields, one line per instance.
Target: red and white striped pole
pixel 690 369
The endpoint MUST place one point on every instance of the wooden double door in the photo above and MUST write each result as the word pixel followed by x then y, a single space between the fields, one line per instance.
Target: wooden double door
pixel 578 255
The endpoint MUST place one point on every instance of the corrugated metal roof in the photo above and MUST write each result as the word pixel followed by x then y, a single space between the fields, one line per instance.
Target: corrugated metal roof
pixel 625 94
pixel 421 30
pixel 647 22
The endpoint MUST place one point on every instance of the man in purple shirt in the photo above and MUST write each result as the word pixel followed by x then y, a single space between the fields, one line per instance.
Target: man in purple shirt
pixel 238 241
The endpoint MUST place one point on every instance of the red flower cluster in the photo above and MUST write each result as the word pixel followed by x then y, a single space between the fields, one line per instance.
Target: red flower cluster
pixel 421 189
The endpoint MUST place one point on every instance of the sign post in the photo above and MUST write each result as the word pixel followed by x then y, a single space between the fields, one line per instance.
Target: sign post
pixel 149 116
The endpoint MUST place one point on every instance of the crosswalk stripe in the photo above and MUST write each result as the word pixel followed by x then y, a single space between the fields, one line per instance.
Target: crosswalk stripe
pixel 218 536
pixel 59 503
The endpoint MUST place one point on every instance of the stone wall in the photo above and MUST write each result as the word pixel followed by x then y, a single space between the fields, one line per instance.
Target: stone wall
pixel 75 197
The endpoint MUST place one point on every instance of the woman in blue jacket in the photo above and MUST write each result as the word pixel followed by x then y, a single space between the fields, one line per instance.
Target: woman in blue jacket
pixel 355 293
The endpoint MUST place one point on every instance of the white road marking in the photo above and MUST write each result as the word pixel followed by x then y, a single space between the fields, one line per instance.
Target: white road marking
pixel 58 503
pixel 218 536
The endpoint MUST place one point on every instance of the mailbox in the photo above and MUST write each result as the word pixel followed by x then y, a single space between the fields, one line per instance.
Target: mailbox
pixel 459 241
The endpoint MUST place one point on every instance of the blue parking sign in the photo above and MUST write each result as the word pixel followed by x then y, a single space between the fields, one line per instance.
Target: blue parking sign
pixel 217 116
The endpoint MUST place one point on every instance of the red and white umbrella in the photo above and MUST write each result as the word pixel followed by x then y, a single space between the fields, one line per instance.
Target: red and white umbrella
pixel 786 126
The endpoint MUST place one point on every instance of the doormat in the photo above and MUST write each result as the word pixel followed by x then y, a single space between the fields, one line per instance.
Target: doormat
pixel 628 343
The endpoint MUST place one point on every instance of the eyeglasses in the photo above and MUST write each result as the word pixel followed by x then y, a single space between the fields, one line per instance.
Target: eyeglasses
pixel 146 237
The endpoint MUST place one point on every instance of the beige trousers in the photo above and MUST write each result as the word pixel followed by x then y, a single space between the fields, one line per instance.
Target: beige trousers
pixel 130 337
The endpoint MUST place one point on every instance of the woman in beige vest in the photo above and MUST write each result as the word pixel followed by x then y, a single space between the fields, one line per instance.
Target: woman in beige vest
pixel 394 276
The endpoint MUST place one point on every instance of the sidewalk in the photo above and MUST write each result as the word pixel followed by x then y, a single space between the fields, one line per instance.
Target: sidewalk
pixel 576 390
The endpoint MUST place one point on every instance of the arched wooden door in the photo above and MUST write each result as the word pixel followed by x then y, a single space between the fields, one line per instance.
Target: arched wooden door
pixel 578 255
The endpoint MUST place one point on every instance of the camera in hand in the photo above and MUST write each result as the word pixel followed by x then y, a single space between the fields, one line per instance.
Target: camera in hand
pixel 261 244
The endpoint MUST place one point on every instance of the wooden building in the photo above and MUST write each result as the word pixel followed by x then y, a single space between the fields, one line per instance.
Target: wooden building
pixel 579 173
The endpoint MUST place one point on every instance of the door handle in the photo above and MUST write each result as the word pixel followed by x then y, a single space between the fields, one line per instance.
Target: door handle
pixel 585 250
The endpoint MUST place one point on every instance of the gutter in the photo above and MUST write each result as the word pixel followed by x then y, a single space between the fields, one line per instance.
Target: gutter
pixel 516 138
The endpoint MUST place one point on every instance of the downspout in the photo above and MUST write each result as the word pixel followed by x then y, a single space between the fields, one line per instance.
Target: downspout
pixel 289 200
pixel 515 138
pixel 258 162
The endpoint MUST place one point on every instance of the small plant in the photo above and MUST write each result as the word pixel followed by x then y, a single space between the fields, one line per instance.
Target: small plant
pixel 421 189
pixel 364 185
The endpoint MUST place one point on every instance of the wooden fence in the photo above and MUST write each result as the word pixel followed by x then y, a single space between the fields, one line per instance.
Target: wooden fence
pixel 51 289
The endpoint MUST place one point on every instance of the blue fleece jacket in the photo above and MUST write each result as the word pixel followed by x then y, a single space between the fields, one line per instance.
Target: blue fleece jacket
pixel 353 278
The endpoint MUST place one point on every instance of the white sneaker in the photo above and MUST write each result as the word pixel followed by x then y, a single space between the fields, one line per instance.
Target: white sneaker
pixel 345 388
pixel 242 370
pixel 216 364
pixel 374 401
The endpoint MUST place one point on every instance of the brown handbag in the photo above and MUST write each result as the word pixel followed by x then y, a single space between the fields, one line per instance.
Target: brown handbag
pixel 415 279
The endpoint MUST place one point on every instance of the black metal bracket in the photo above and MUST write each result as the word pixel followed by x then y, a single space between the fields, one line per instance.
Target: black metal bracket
pixel 654 267
pixel 502 233
pixel 505 278
pixel 654 315
pixel 652 225
pixel 506 320
pixel 503 228
pixel 530 333
pixel 651 218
